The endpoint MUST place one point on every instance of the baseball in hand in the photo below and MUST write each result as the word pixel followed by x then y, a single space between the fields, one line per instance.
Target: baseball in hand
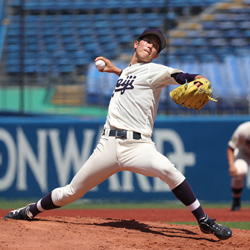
pixel 100 64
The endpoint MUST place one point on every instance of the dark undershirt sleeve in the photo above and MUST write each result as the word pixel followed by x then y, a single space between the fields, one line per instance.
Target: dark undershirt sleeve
pixel 182 78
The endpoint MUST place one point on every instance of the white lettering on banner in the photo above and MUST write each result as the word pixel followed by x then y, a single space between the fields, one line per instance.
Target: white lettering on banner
pixel 71 154
pixel 126 184
pixel 143 183
pixel 26 156
pixel 179 157
pixel 37 161
pixel 160 186
pixel 7 180
pixel 114 184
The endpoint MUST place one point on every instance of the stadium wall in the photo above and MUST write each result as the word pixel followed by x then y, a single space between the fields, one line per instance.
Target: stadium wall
pixel 40 153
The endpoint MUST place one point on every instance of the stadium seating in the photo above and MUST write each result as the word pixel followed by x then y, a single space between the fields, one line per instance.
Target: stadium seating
pixel 109 4
pixel 65 36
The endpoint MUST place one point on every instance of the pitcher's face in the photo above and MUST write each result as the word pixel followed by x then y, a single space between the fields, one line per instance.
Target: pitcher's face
pixel 147 48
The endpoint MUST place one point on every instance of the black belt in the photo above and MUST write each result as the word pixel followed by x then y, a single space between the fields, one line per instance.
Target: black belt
pixel 123 134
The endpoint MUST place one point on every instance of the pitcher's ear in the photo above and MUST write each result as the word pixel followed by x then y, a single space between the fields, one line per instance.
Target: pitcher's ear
pixel 136 44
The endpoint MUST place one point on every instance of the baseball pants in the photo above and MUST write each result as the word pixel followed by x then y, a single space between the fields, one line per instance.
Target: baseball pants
pixel 241 163
pixel 113 155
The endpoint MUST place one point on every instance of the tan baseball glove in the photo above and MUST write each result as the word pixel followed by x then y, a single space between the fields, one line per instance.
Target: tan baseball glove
pixel 191 96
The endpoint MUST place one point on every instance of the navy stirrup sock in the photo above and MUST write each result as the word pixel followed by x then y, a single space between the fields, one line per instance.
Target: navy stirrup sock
pixel 45 203
pixel 186 195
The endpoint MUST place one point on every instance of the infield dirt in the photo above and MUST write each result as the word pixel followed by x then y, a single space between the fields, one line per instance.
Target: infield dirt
pixel 119 229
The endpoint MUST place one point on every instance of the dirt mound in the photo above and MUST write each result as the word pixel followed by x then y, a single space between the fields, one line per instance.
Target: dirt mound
pixel 107 231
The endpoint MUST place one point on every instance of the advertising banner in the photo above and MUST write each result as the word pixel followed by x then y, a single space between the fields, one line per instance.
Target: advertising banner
pixel 40 153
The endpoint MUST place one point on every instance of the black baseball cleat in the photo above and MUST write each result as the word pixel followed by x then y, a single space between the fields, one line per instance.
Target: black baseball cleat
pixel 208 226
pixel 236 205
pixel 20 214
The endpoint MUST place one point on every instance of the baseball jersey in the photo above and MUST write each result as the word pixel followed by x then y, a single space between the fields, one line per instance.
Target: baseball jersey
pixel 241 138
pixel 134 102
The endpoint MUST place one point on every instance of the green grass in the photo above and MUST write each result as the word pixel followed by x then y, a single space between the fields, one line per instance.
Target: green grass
pixel 87 204
pixel 100 204
pixel 232 224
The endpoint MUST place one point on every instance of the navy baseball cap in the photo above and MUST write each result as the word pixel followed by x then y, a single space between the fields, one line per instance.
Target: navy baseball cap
pixel 157 33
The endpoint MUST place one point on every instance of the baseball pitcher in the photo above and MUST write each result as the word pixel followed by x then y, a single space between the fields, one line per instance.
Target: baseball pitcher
pixel 126 144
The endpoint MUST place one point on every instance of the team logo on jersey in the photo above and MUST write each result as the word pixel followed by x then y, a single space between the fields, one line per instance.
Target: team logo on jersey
pixel 123 85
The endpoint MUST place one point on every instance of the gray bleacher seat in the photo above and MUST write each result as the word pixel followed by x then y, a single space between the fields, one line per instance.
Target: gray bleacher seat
pixel 245 10
pixel 239 42
pixel 227 25
pixel 233 33
pixel 198 41
pixel 80 57
pixel 209 25
pixel 246 33
pixel 241 17
pixel 223 17
pixel 244 24
pixel 214 33
pixel 13 48
pixel 179 42
pixel 193 33
pixel 218 42
pixel 14 69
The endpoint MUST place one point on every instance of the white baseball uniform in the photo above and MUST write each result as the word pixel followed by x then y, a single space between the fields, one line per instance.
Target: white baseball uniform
pixel 133 107
pixel 240 143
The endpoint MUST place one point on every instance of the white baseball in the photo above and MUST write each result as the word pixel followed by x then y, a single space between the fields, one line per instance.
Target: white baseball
pixel 100 64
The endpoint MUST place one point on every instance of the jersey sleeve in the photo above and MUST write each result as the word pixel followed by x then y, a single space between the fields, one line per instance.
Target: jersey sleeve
pixel 233 141
pixel 159 76
pixel 236 139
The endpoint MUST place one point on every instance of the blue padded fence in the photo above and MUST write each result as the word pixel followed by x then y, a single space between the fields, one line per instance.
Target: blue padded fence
pixel 40 153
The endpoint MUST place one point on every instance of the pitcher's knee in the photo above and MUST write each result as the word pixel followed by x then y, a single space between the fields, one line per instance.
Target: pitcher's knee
pixel 64 195
pixel 238 182
pixel 172 176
